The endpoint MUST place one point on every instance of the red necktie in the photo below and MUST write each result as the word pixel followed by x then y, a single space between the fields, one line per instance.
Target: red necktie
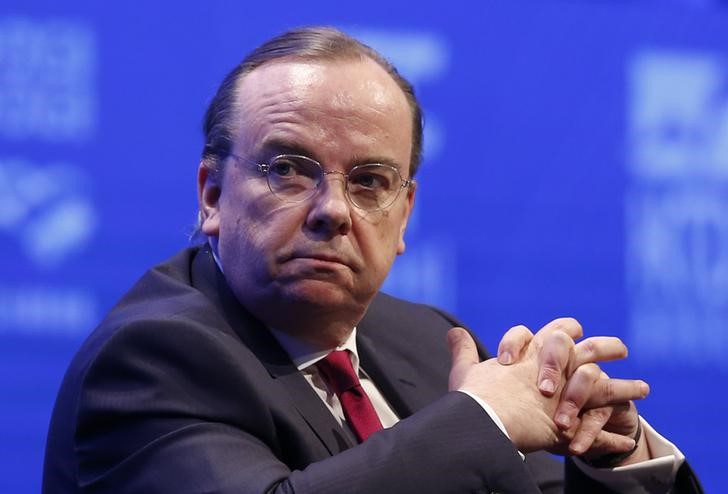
pixel 339 374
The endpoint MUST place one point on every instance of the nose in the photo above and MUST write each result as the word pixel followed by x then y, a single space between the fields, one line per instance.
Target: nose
pixel 330 212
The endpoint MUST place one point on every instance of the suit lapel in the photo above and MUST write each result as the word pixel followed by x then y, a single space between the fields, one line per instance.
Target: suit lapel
pixel 395 369
pixel 302 396
pixel 209 280
pixel 317 416
pixel 395 381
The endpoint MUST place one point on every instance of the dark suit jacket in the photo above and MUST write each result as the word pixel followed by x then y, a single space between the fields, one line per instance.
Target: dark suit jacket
pixel 181 390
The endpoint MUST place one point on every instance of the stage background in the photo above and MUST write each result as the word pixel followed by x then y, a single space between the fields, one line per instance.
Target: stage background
pixel 576 164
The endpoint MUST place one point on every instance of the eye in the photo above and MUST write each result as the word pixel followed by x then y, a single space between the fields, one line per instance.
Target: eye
pixel 375 179
pixel 369 181
pixel 283 168
pixel 292 167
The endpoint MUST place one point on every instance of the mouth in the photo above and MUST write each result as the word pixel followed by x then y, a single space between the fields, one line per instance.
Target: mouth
pixel 322 259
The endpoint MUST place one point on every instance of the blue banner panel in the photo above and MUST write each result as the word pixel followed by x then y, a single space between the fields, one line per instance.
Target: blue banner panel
pixel 576 163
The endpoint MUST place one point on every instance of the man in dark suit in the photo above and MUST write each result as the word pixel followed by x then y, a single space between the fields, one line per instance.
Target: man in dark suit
pixel 265 360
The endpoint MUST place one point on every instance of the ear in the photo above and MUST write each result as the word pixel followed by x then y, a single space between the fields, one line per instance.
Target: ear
pixel 208 198
pixel 410 204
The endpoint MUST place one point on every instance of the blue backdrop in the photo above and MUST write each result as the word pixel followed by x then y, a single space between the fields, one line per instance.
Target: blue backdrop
pixel 576 164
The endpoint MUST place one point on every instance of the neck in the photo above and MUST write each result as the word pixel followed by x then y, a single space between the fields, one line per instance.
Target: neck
pixel 319 330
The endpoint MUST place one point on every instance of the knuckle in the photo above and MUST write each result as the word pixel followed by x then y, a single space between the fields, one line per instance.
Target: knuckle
pixel 592 371
pixel 516 335
pixel 600 415
pixel 602 441
pixel 609 390
pixel 558 341
pixel 550 372
pixel 589 347
pixel 588 372
pixel 563 337
pixel 550 369
pixel 590 433
pixel 560 323
pixel 569 405
pixel 568 323
pixel 519 328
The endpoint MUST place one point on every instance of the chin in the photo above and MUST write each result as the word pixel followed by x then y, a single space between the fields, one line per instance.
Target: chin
pixel 318 293
pixel 312 309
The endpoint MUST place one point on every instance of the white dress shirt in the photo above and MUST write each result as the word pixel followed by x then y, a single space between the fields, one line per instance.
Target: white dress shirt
pixel 304 358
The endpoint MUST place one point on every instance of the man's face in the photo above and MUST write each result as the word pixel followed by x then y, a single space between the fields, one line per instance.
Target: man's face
pixel 323 255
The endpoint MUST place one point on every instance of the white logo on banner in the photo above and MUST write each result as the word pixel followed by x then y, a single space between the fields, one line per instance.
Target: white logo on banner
pixel 47 97
pixel 677 208
pixel 41 310
pixel 45 209
pixel 46 80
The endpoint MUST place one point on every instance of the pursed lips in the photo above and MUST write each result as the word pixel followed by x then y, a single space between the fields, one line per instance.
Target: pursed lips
pixel 322 256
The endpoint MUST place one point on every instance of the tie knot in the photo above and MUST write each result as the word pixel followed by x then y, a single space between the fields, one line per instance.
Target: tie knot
pixel 338 372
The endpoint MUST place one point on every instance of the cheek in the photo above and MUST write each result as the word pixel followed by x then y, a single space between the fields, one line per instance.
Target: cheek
pixel 379 242
pixel 240 232
pixel 256 231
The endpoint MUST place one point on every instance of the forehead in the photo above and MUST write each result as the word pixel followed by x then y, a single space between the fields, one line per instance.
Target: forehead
pixel 331 106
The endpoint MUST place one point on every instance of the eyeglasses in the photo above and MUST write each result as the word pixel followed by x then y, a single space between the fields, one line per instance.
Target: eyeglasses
pixel 295 178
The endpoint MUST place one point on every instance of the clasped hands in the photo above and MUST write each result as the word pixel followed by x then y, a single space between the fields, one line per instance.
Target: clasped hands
pixel 549 391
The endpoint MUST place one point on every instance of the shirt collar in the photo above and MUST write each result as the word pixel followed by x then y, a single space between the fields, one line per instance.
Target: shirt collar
pixel 212 241
pixel 304 356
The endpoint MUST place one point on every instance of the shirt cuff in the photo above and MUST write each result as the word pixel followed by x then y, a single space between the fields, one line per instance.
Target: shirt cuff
pixel 654 476
pixel 493 416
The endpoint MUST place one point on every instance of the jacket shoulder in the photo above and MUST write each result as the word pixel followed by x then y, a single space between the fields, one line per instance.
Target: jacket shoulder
pixel 417 321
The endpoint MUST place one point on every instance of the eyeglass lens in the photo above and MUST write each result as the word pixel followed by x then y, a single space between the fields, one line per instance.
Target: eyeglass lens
pixel 295 178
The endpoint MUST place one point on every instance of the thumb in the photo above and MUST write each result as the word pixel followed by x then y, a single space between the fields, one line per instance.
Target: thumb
pixel 464 355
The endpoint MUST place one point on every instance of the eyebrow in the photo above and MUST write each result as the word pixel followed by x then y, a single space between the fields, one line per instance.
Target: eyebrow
pixel 382 160
pixel 276 145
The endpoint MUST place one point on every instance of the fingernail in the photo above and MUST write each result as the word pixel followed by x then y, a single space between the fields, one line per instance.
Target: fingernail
pixel 547 386
pixel 563 420
pixel 505 358
pixel 644 389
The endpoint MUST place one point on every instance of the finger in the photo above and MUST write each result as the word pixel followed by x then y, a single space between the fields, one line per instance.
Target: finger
pixel 513 343
pixel 591 424
pixel 624 419
pixel 462 348
pixel 553 359
pixel 567 325
pixel 599 349
pixel 575 395
pixel 607 442
pixel 615 391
